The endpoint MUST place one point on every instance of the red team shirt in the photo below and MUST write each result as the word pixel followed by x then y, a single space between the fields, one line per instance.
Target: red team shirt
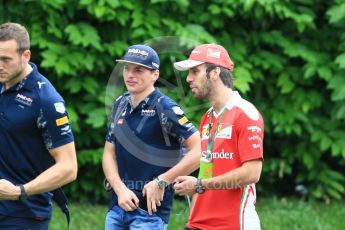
pixel 239 139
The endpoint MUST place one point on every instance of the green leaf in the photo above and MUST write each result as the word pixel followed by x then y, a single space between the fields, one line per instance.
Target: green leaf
pixel 340 112
pixel 83 34
pixel 317 192
pixel 242 78
pixel 49 58
pixel 138 32
pixel 73 117
pixel 308 160
pixel 309 72
pixel 100 11
pixel 336 13
pixel 340 60
pixel 337 84
pixel 228 12
pixel 90 84
pixel 113 3
pixel 325 72
pixel 325 143
pixel 123 17
pixel 285 83
pixel 336 149
pixel 96 118
pixel 297 129
pixel 333 193
pixel 214 9
pixel 336 185
pixel 74 85
pixel 57 4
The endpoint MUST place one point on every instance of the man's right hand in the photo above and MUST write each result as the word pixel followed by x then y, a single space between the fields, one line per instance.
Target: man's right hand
pixel 127 199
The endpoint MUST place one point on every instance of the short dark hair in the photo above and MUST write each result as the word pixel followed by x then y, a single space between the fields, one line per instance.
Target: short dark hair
pixel 225 74
pixel 17 32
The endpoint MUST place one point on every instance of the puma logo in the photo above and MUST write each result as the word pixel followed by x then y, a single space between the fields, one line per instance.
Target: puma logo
pixel 40 84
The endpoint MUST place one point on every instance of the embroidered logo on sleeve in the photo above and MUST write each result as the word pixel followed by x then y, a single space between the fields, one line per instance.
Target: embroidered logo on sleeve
pixel 177 110
pixel 61 121
pixel 183 120
pixel 60 107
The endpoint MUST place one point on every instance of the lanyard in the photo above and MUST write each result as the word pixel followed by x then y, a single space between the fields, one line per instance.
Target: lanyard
pixel 213 136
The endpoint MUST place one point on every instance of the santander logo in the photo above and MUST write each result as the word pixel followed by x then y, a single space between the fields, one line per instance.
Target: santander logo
pixel 219 155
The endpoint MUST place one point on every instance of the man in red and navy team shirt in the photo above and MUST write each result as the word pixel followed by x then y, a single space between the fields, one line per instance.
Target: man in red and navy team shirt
pixel 37 153
pixel 232 133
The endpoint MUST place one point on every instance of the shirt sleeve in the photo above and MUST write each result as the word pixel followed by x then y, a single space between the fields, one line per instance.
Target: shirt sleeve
pixel 54 122
pixel 175 122
pixel 110 135
pixel 250 138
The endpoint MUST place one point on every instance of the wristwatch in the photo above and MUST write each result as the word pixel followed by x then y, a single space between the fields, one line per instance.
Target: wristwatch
pixel 199 188
pixel 23 195
pixel 161 183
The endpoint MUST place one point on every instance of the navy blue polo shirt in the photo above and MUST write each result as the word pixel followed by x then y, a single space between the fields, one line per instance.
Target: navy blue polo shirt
pixel 148 142
pixel 33 119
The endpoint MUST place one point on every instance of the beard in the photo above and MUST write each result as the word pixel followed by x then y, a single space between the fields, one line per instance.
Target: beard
pixel 205 89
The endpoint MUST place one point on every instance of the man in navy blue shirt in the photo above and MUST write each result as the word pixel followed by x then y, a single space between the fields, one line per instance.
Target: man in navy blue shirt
pixel 143 147
pixel 37 152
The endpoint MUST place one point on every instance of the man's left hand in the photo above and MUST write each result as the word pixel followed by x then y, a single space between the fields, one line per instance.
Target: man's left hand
pixel 185 185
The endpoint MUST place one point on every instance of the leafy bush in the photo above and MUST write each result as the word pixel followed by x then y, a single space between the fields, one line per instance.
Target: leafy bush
pixel 289 61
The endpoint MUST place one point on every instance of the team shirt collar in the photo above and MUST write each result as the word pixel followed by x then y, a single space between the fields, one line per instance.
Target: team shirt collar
pixel 148 101
pixel 229 105
pixel 26 83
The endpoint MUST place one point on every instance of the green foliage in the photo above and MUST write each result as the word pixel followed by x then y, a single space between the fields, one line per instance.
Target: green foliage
pixel 289 61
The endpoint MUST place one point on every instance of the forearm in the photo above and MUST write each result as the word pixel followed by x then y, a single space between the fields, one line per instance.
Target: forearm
pixel 248 173
pixel 61 173
pixel 54 177
pixel 110 168
pixel 189 163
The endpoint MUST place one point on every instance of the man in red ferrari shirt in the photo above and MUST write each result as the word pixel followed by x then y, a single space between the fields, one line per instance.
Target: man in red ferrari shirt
pixel 232 133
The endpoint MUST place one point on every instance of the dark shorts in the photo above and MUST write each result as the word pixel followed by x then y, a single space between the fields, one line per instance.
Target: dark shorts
pixel 16 223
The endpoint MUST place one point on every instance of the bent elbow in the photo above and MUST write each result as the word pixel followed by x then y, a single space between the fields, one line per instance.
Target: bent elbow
pixel 255 178
pixel 74 174
pixel 71 173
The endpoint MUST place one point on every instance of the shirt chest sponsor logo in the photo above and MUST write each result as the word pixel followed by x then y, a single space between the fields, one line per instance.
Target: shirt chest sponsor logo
pixel 224 131
pixel 22 99
pixel 148 112
pixel 205 132
pixel 219 155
